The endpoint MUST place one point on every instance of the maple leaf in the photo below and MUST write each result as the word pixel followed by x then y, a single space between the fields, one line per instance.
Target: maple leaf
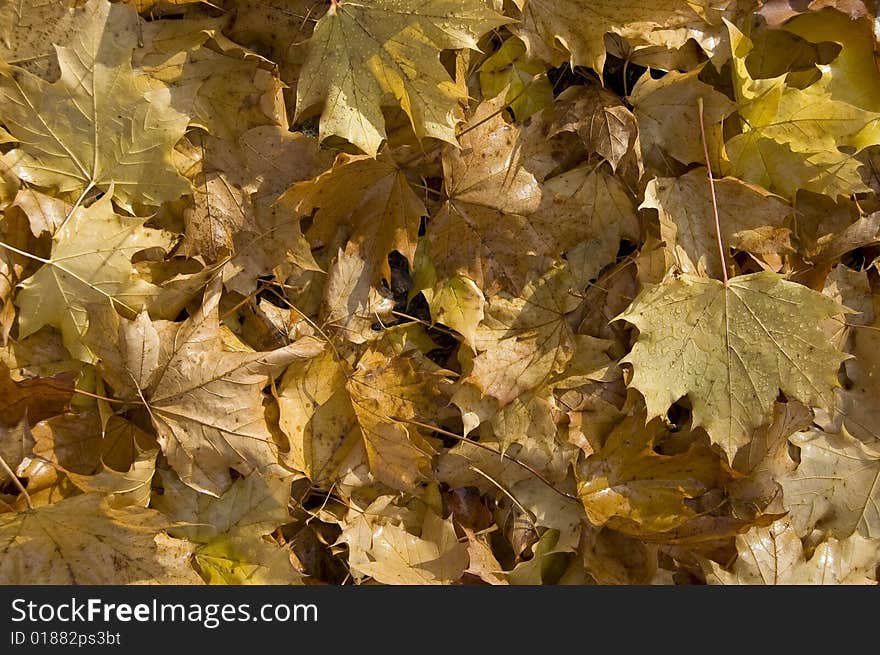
pixel 364 55
pixel 631 488
pixel 264 162
pixel 579 26
pixel 90 263
pixel 509 69
pixel 525 340
pixel 372 200
pixel 205 404
pixel 503 223
pixel 667 111
pixel 382 548
pixel 600 119
pixel 836 486
pixel 731 349
pixel 28 28
pixel 457 303
pixel 792 137
pixel 93 127
pixel 774 555
pixel 223 88
pixel 80 540
pixel 751 219
pixel 121 488
pixel 228 530
pixel 277 29
pixel 328 409
pixel 16 448
pixel 766 458
pixel 45 214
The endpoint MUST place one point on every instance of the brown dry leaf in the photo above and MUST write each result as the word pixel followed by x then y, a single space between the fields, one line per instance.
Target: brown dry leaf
pixel 751 220
pixel 631 488
pixel 69 442
pixel 669 118
pixel 45 213
pixel 277 29
pixel 370 200
pixel 205 404
pixel 600 119
pixel 265 162
pixel 33 399
pixel 383 548
pixel 836 486
pixel 482 562
pixel 220 211
pixel 774 555
pixel 766 459
pixel 575 30
pixel 93 127
pixel 90 263
pixel 28 28
pixel 329 408
pixel 225 88
pixel 81 540
pixel 229 531
pixel 731 349
pixel 612 557
pixel 16 449
pixel 482 231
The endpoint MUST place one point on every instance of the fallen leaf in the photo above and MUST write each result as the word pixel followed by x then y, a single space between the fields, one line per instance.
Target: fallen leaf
pixel 731 350
pixel 774 555
pixel 384 550
pixel 90 263
pixel 836 486
pixel 93 127
pixel 631 488
pixel 751 219
pixel 394 46
pixel 33 400
pixel 80 541
pixel 204 403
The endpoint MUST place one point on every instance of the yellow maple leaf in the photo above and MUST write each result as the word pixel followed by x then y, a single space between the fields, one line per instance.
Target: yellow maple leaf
pixel 364 55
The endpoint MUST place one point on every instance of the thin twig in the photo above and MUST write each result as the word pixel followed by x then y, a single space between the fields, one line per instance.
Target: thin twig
pixel 17 483
pixel 714 199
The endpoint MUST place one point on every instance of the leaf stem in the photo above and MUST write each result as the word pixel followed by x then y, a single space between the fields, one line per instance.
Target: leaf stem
pixel 23 253
pixel 712 190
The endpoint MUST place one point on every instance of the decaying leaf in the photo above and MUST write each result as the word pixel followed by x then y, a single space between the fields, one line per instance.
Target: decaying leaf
pixel 394 46
pixel 773 555
pixel 205 404
pixel 90 263
pixel 93 127
pixel 836 486
pixel 79 540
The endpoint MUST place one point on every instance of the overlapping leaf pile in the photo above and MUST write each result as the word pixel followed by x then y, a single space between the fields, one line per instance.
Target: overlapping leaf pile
pixel 430 292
